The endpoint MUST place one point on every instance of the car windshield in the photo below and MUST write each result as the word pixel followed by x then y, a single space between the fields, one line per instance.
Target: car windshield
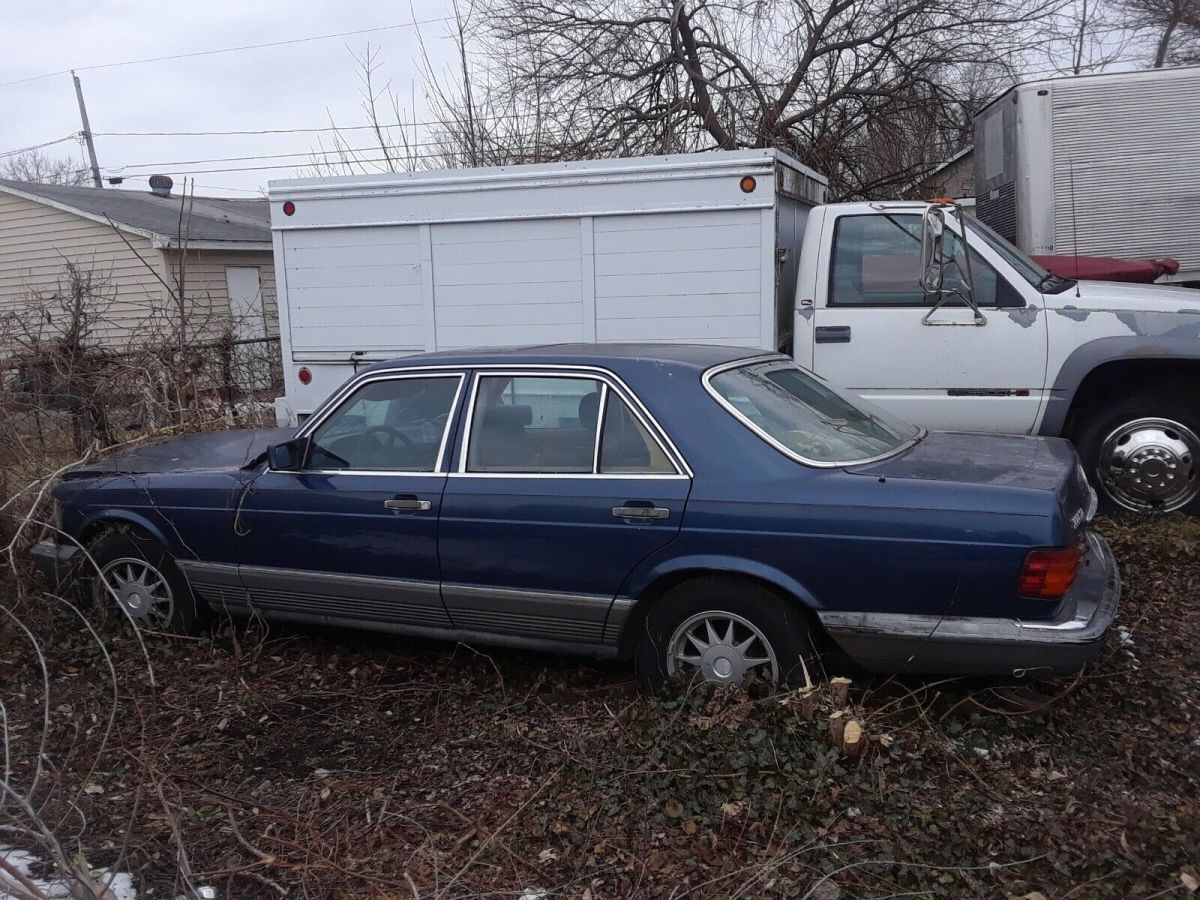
pixel 1037 276
pixel 807 417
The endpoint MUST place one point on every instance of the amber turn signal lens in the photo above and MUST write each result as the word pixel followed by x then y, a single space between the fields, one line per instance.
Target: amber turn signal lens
pixel 749 183
pixel 1049 574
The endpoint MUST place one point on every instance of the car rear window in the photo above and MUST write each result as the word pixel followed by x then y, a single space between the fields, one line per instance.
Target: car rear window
pixel 806 417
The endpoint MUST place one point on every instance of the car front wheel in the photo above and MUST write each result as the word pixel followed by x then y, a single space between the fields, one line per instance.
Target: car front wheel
pixel 141 578
pixel 725 631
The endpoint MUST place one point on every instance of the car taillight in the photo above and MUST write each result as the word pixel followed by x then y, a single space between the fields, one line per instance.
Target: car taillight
pixel 304 375
pixel 1049 574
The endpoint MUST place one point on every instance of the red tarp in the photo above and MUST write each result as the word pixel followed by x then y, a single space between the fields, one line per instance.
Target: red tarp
pixel 1107 268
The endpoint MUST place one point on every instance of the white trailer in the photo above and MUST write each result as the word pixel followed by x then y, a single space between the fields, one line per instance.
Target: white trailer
pixel 689 248
pixel 1095 165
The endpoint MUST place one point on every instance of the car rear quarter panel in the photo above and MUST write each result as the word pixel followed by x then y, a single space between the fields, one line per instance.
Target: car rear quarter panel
pixel 836 540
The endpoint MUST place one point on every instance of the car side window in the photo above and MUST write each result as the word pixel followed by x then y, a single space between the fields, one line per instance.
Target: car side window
pixel 391 425
pixel 877 262
pixel 534 424
pixel 626 447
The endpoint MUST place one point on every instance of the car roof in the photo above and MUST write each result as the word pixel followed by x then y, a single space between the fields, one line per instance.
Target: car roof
pixel 691 356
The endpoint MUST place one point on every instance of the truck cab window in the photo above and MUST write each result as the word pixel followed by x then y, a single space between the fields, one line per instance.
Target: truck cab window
pixel 393 425
pixel 877 262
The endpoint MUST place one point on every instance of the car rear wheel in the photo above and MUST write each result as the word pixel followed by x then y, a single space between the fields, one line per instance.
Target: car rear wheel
pixel 724 631
pixel 1142 454
pixel 139 576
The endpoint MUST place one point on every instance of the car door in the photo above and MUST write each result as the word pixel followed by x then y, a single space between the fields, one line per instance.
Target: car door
pixel 353 534
pixel 563 485
pixel 871 334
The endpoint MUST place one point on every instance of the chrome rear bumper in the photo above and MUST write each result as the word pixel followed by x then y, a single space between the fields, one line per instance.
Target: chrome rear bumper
pixel 896 642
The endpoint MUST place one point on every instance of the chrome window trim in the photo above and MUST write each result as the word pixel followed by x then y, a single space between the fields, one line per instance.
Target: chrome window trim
pixel 609 380
pixel 335 403
pixel 599 426
pixel 709 374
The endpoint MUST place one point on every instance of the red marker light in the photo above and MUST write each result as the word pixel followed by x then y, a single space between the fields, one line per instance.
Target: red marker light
pixel 304 375
pixel 748 184
pixel 289 207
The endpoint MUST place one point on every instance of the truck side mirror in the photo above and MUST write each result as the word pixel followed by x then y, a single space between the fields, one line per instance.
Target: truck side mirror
pixel 288 456
pixel 933 235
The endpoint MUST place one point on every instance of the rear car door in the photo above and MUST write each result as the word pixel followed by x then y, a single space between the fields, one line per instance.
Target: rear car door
pixel 353 535
pixel 563 484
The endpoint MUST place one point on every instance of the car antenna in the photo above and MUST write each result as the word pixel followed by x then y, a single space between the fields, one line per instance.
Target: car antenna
pixel 1074 227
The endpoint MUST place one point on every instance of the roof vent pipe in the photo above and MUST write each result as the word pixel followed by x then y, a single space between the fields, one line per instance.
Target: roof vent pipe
pixel 160 185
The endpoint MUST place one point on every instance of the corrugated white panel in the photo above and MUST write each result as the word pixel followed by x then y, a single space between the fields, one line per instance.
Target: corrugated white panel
pixel 682 277
pixel 1130 147
pixel 500 283
pixel 354 288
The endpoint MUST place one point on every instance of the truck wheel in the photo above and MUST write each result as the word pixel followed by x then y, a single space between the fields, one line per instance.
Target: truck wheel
pixel 142 578
pixel 1142 454
pixel 724 631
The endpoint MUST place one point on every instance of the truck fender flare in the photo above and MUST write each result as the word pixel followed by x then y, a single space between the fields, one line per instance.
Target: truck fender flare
pixel 1086 357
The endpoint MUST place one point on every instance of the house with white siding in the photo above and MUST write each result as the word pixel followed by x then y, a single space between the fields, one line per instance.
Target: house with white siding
pixel 153 257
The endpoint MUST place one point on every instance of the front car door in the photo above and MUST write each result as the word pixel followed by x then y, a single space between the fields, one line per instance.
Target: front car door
pixel 563 484
pixel 947 373
pixel 353 535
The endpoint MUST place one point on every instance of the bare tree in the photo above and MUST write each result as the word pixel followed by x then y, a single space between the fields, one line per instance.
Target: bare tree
pixel 1168 30
pixel 36 166
pixel 867 91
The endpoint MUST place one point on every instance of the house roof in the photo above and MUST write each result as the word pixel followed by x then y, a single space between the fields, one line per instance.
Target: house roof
pixel 206 220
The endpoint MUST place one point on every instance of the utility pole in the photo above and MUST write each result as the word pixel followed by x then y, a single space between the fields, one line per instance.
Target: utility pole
pixel 87 132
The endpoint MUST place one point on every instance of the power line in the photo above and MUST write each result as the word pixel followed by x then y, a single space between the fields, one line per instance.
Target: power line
pixel 74 136
pixel 316 130
pixel 307 154
pixel 195 53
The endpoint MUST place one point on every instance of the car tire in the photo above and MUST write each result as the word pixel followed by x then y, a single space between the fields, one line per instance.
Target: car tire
pixel 782 630
pixel 144 581
pixel 1142 453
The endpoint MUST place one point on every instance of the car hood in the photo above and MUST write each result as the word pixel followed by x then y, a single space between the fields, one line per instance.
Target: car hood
pixel 208 451
pixel 994 460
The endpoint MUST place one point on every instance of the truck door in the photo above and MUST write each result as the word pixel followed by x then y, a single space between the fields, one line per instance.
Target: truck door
pixel 872 329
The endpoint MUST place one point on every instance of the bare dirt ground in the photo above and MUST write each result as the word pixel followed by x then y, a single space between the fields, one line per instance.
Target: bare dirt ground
pixel 332 764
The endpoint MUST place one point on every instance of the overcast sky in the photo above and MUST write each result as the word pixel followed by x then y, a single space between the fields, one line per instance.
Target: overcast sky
pixel 301 85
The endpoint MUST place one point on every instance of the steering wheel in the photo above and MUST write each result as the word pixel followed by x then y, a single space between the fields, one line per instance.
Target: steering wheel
pixel 390 435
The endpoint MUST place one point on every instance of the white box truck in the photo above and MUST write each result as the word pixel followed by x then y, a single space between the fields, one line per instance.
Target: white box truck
pixel 1095 165
pixel 736 248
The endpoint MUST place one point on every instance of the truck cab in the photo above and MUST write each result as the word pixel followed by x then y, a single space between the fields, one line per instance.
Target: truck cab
pixel 1114 367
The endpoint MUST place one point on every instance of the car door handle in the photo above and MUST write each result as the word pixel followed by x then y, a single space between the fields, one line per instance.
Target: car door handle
pixel 833 334
pixel 640 512
pixel 408 504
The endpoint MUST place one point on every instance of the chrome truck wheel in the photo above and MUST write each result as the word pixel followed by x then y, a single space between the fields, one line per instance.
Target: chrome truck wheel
pixel 722 648
pixel 1150 465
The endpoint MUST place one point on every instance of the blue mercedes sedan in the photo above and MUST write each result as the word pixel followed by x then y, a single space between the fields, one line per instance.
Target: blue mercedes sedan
pixel 708 512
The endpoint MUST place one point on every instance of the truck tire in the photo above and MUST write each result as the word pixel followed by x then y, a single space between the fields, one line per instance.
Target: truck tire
pixel 137 575
pixel 749 632
pixel 1142 453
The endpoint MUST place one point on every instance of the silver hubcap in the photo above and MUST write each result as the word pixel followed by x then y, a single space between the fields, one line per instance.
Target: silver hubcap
pixel 140 588
pixel 1150 465
pixel 722 648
